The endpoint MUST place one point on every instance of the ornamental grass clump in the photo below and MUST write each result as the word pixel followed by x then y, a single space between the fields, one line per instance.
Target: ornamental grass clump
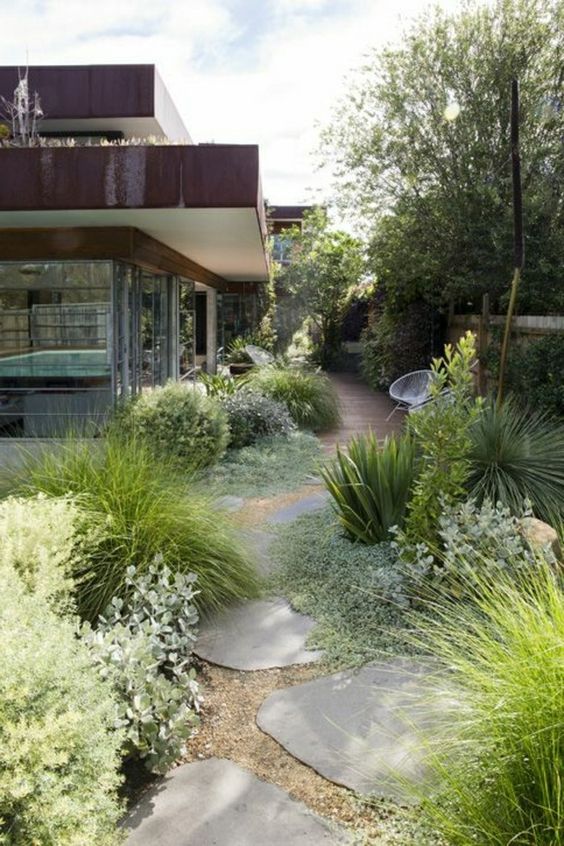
pixel 310 397
pixel 498 763
pixel 517 455
pixel 134 509
pixel 177 422
pixel 370 484
pixel 59 748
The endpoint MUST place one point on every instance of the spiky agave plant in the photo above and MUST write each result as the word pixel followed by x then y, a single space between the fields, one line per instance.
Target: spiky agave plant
pixel 518 455
pixel 369 483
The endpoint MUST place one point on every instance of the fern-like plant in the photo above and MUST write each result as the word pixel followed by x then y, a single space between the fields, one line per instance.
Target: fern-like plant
pixel 370 483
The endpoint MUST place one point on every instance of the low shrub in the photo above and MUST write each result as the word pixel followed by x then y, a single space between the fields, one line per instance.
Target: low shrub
pixel 487 537
pixel 179 422
pixel 39 539
pixel 310 397
pixel 355 593
pixel 252 416
pixel 370 483
pixel 498 760
pixel 59 749
pixel 442 433
pixel 517 455
pixel 143 647
pixel 270 466
pixel 138 508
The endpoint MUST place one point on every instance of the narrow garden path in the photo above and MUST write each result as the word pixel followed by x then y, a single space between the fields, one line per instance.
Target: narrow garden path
pixel 239 784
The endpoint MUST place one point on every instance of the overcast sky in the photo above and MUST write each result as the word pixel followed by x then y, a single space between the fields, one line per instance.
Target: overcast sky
pixel 240 71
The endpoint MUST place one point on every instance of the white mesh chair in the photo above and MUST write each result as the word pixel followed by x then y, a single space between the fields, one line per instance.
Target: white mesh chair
pixel 258 355
pixel 411 391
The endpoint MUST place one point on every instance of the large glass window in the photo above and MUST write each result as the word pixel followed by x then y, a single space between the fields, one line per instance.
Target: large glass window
pixel 55 346
pixel 239 315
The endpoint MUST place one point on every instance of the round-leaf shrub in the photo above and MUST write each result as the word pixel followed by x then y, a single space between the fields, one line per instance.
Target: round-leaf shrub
pixel 252 416
pixel 179 422
pixel 309 396
pixel 59 749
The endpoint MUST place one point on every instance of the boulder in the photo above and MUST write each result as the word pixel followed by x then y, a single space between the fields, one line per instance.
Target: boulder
pixel 540 536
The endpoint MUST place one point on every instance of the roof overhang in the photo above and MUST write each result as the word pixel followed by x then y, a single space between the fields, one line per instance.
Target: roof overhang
pixel 204 202
pixel 131 99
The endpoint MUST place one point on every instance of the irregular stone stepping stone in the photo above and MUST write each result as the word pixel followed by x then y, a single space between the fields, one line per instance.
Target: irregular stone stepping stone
pixel 256 635
pixel 357 728
pixel 217 803
pixel 302 506
pixel 229 503
pixel 259 542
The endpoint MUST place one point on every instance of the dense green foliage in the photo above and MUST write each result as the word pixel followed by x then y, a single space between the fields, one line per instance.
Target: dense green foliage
pixel 536 374
pixel 269 467
pixel 139 508
pixel 421 149
pixel 395 343
pixel 144 648
pixel 354 592
pixel 217 384
pixel 177 422
pixel 370 483
pixel 59 751
pixel 518 455
pixel 310 397
pixel 500 756
pixel 324 264
pixel 442 432
pixel 251 416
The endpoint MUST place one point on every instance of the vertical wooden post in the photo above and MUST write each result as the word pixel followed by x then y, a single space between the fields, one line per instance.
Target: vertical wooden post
pixel 483 335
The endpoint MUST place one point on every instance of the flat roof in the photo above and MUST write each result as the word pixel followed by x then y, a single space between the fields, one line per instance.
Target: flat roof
pixel 131 99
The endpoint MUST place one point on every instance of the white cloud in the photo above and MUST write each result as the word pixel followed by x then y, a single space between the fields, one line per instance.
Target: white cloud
pixel 272 90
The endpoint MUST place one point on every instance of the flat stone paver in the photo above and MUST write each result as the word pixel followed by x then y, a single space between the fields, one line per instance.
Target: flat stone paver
pixel 306 505
pixel 217 803
pixel 259 542
pixel 256 635
pixel 357 728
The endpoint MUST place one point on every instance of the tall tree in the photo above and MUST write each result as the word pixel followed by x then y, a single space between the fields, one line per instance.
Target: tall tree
pixel 324 264
pixel 421 149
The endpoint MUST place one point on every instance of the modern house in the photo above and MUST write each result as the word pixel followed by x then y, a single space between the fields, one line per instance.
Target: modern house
pixel 282 218
pixel 122 244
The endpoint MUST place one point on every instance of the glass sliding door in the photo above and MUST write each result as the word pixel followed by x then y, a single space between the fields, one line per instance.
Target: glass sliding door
pixel 56 342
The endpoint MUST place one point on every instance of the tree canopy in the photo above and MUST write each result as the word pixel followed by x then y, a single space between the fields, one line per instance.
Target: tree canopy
pixel 421 152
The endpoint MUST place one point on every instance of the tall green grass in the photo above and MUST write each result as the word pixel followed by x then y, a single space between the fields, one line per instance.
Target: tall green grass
pixel 500 765
pixel 140 508
pixel 370 484
pixel 311 398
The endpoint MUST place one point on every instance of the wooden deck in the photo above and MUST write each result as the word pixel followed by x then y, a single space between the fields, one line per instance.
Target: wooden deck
pixel 362 410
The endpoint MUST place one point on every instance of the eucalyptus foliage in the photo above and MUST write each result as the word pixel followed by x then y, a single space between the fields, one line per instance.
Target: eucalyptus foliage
pixel 143 646
pixel 370 484
pixel 518 455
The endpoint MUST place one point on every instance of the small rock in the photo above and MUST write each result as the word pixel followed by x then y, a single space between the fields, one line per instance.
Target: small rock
pixel 541 536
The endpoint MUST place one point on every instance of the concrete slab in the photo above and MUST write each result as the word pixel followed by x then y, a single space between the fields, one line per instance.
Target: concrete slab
pixel 217 803
pixel 256 635
pixel 314 502
pixel 357 728
pixel 259 542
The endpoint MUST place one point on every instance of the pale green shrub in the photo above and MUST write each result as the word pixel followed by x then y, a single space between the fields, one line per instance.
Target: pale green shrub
pixel 58 744
pixel 39 539
pixel 252 416
pixel 144 648
pixel 180 422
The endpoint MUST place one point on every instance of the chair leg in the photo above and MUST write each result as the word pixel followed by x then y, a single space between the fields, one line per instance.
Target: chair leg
pixel 392 412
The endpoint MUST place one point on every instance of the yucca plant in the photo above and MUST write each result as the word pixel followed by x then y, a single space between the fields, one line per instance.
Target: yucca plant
pixel 370 484
pixel 497 765
pixel 311 398
pixel 518 455
pixel 137 508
